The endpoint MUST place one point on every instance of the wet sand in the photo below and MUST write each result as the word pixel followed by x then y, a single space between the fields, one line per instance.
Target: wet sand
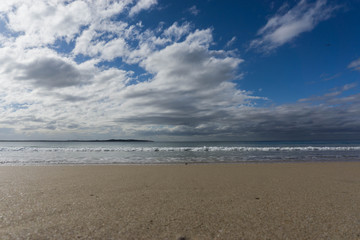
pixel 229 201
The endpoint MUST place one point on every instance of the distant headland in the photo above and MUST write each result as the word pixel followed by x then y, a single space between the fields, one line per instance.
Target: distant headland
pixel 108 140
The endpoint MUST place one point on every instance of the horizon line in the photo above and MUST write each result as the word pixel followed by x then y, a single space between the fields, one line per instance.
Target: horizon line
pixel 91 140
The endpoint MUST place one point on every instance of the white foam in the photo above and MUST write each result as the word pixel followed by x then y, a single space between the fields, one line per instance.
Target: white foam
pixel 178 149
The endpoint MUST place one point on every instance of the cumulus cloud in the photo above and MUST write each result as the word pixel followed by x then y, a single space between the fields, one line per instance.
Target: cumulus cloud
pixel 71 77
pixel 176 32
pixel 50 73
pixel 191 86
pixel 40 68
pixel 62 21
pixel 142 5
pixel 41 82
pixel 286 26
pixel 107 40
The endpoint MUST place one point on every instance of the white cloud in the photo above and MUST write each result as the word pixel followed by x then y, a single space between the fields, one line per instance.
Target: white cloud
pixel 40 23
pixel 182 85
pixel 6 6
pixel 355 65
pixel 142 5
pixel 108 40
pixel 284 27
pixel 194 11
pixel 230 42
pixel 176 32
pixel 47 92
pixel 191 86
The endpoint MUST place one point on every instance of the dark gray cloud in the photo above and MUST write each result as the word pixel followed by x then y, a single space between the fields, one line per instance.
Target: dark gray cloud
pixel 71 98
pixel 50 73
pixel 73 126
pixel 50 127
pixel 303 121
pixel 178 118
pixel 325 118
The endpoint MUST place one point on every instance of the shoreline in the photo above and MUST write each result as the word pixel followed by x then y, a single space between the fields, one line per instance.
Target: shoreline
pixel 311 200
pixel 181 163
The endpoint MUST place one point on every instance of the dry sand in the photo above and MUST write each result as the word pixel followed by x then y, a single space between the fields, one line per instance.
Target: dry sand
pixel 230 201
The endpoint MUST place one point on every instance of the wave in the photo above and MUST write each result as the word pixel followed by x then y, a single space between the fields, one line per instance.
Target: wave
pixel 179 149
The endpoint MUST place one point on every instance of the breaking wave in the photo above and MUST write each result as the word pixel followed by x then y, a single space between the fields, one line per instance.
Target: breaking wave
pixel 179 149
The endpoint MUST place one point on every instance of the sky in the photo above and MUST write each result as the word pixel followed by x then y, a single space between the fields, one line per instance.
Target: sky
pixel 180 70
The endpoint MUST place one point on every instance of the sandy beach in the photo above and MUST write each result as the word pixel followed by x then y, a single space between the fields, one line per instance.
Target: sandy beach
pixel 214 201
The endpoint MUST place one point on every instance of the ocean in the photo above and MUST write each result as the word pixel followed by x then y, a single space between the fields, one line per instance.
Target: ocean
pixel 55 153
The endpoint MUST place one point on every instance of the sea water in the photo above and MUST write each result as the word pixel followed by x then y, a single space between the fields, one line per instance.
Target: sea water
pixel 53 153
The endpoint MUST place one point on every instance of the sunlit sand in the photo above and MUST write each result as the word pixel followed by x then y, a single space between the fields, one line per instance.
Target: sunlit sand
pixel 229 201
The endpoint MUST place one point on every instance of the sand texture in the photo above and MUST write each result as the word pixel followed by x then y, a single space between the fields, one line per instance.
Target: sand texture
pixel 229 201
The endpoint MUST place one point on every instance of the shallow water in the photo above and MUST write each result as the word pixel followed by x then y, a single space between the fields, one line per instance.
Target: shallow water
pixel 43 153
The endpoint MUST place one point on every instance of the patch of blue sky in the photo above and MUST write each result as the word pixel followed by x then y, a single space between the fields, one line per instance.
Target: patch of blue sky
pixel 124 15
pixel 297 69
pixel 5 31
pixel 16 106
pixel 62 46
pixel 80 58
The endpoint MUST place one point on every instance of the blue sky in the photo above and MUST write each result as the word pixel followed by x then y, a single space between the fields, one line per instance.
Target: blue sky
pixel 180 70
